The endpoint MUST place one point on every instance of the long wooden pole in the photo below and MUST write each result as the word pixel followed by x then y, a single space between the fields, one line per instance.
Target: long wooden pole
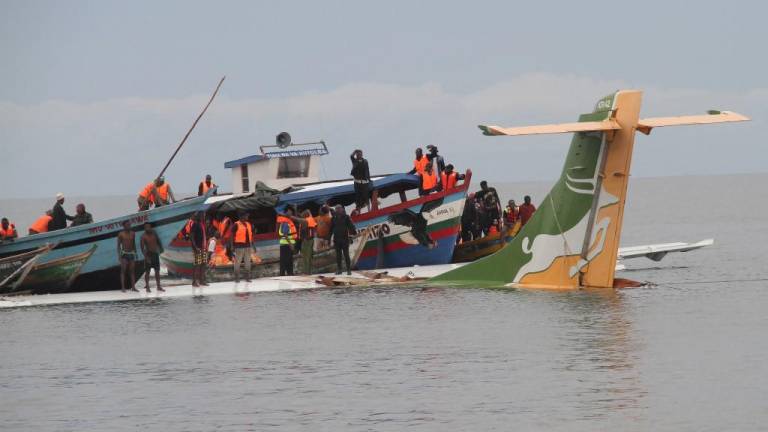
pixel 191 128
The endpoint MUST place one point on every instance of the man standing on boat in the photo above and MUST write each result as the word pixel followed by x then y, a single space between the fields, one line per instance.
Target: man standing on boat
pixel 199 246
pixel 419 163
pixel 323 235
pixel 126 254
pixel 151 248
pixel 428 180
pixel 7 231
pixel 341 230
pixel 241 244
pixel 82 217
pixel 60 217
pixel 205 185
pixel 437 161
pixel 362 177
pixel 287 234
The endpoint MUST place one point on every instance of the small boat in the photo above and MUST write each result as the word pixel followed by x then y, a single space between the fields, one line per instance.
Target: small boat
pixel 101 270
pixel 54 276
pixel 403 231
pixel 14 269
pixel 475 249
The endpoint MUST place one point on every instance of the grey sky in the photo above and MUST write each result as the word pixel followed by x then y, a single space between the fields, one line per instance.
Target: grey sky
pixel 97 94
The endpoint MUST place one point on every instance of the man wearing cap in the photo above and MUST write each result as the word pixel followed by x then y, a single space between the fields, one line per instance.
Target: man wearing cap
pixel 60 217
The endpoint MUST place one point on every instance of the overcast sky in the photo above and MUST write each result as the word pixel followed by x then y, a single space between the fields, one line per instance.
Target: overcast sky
pixel 96 95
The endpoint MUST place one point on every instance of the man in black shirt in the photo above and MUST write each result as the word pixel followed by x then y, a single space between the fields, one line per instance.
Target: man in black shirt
pixel 341 228
pixel 60 217
pixel 362 176
pixel 197 238
pixel 437 161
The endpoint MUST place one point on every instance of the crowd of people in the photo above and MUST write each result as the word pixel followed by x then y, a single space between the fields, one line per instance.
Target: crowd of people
pixel 483 215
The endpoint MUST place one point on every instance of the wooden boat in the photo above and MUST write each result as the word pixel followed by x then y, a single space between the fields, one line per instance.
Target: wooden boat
pixel 14 269
pixel 476 249
pixel 389 244
pixel 101 270
pixel 54 276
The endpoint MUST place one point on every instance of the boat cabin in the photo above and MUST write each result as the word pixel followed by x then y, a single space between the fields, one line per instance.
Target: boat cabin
pixel 278 166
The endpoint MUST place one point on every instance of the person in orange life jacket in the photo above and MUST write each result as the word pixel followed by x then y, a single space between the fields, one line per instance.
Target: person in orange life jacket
pixel 428 182
pixel 7 231
pixel 287 235
pixel 420 163
pixel 449 178
pixel 241 243
pixel 307 230
pixel 205 185
pixel 198 242
pixel 511 213
pixel 164 194
pixel 341 229
pixel 437 161
pixel 42 224
pixel 526 210
pixel 322 239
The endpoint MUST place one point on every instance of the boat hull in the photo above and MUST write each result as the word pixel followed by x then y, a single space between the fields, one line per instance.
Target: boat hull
pixel 55 276
pixel 97 272
pixel 383 246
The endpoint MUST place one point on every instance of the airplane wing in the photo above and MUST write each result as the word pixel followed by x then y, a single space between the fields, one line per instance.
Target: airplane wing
pixel 645 125
pixel 656 252
pixel 595 126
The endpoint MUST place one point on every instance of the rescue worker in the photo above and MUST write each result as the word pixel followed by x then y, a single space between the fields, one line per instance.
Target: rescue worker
pixel 449 178
pixel 7 230
pixel 428 182
pixel 82 217
pixel 511 213
pixel 199 246
pixel 286 232
pixel 205 185
pixel 341 229
pixel 491 213
pixel 308 233
pixel 323 234
pixel 42 224
pixel 420 163
pixel 469 219
pixel 437 161
pixel 241 239
pixel 526 210
pixel 164 193
pixel 60 217
pixel 362 177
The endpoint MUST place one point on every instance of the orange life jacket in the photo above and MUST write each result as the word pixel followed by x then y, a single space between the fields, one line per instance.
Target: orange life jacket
pixel 223 227
pixel 185 231
pixel 8 232
pixel 292 236
pixel 147 194
pixel 448 181
pixel 510 215
pixel 205 186
pixel 163 192
pixel 428 180
pixel 243 232
pixel 420 164
pixel 493 230
pixel 41 224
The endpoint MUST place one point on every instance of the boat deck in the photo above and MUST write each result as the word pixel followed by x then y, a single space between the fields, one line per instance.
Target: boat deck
pixel 270 284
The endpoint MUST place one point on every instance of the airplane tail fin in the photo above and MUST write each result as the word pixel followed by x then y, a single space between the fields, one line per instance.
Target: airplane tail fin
pixel 572 240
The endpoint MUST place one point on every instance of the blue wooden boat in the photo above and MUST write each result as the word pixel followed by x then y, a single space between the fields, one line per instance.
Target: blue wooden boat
pixel 101 271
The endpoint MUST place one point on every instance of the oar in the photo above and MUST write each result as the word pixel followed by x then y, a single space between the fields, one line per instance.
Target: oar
pixel 191 128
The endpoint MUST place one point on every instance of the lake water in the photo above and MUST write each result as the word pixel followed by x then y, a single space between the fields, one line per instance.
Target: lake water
pixel 690 353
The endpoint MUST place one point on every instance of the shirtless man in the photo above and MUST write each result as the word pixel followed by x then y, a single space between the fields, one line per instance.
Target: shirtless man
pixel 126 254
pixel 151 248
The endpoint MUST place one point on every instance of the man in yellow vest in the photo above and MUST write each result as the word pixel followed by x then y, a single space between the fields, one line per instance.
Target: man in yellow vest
pixel 287 234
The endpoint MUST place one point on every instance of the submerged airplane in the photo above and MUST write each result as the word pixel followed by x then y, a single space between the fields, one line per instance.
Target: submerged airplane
pixel 572 241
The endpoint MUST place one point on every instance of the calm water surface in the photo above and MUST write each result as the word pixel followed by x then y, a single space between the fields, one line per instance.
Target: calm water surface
pixel 688 354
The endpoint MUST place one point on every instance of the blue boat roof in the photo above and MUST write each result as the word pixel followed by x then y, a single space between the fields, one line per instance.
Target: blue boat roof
pixel 244 161
pixel 343 191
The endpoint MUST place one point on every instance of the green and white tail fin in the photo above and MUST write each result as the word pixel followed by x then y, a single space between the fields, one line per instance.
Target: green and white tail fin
pixel 573 238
